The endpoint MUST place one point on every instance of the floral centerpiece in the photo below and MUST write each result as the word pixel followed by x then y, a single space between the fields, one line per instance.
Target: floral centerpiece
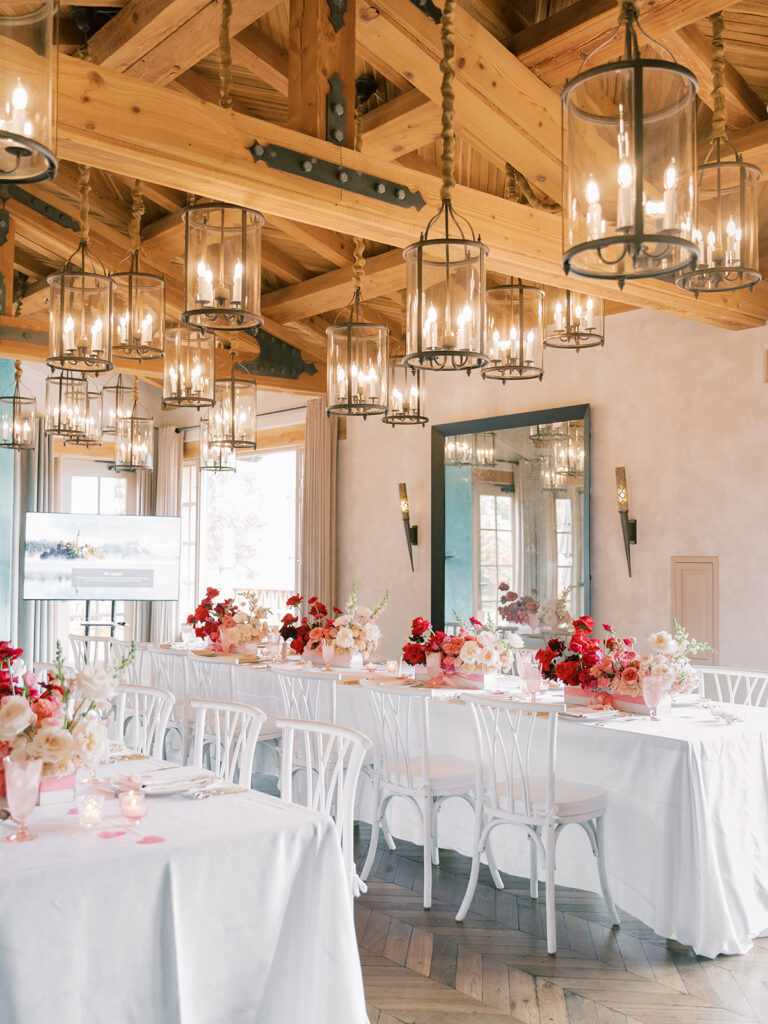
pixel 352 632
pixel 246 628
pixel 207 618
pixel 553 613
pixel 474 651
pixel 516 608
pixel 610 671
pixel 57 719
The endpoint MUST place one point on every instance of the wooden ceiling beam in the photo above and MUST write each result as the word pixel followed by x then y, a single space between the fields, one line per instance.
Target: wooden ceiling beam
pixel 752 143
pixel 400 126
pixel 256 52
pixel 146 131
pixel 281 264
pixel 499 17
pixel 327 244
pixel 502 107
pixel 137 28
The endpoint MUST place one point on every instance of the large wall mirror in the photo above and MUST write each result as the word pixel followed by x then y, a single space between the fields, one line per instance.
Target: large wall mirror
pixel 510 505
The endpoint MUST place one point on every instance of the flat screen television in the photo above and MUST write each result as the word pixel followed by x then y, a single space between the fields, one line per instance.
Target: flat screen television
pixel 69 557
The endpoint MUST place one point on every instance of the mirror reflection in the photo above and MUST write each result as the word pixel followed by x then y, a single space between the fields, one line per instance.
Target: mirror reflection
pixel 515 508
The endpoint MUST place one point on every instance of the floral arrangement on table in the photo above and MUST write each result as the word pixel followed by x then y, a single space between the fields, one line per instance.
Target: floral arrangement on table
pixel 57 719
pixel 514 608
pixel 351 631
pixel 612 666
pixel 474 650
pixel 553 613
pixel 245 626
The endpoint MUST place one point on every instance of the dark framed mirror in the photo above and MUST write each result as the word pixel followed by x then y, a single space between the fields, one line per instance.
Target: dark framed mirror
pixel 510 520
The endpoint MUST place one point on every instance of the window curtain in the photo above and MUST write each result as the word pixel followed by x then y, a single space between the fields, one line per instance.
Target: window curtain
pixel 34 625
pixel 145 503
pixel 318 518
pixel 169 448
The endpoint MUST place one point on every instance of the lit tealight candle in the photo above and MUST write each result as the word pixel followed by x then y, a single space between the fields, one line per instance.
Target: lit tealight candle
pixel 133 806
pixel 392 667
pixel 89 809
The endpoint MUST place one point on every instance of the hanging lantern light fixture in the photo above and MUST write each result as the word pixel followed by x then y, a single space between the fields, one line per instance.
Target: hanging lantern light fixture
pixel 138 299
pixel 80 336
pixel 135 438
pixel 573 320
pixel 514 331
pixel 485 450
pixel 118 401
pixel 17 416
pixel 215 457
pixel 188 370
pixel 459 450
pixel 630 147
pixel 26 92
pixel 66 404
pixel 232 421
pixel 406 396
pixel 726 220
pixel 222 251
pixel 546 435
pixel 445 269
pixel 550 473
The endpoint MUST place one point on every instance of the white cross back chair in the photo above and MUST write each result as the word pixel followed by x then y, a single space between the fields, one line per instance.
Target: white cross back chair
pixel 331 757
pixel 226 734
pixel 513 741
pixel 734 686
pixel 310 697
pixel 88 650
pixel 138 672
pixel 141 720
pixel 405 767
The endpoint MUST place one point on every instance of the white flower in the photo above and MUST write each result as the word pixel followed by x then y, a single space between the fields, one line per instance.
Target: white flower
pixel 343 620
pixel 363 612
pixel 662 642
pixel 240 617
pixel 516 642
pixel 91 742
pixel 470 652
pixel 96 683
pixel 489 658
pixel 15 716
pixel 505 660
pixel 345 638
pixel 667 674
pixel 486 638
pixel 371 632
pixel 54 745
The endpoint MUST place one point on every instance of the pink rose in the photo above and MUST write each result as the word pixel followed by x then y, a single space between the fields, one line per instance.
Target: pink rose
pixel 629 676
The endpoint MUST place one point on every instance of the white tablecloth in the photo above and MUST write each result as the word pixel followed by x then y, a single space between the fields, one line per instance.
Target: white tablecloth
pixel 687 829
pixel 241 917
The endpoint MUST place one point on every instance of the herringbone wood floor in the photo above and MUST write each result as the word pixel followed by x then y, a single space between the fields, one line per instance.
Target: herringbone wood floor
pixel 421 967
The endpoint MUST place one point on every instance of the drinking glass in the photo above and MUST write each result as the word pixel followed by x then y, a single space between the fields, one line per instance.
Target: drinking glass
pixel 434 664
pixel 22 784
pixel 652 690
pixel 274 644
pixel 531 677
pixel 187 635
pixel 523 657
pixel 392 667
pixel 328 655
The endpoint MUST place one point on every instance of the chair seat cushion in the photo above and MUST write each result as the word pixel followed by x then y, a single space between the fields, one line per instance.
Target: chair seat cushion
pixel 572 799
pixel 446 774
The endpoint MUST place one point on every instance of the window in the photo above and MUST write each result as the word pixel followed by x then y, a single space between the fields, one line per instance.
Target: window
pixel 188 595
pixel 564 530
pixel 495 549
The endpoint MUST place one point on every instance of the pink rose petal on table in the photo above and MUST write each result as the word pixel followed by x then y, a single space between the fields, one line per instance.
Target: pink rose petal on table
pixel 150 839
pixel 72 810
pixel 110 835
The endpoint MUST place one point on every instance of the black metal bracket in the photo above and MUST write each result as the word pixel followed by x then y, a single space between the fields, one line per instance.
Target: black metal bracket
pixel 276 358
pixel 428 8
pixel 10 191
pixel 629 532
pixel 5 221
pixel 328 173
pixel 335 111
pixel 18 334
pixel 337 9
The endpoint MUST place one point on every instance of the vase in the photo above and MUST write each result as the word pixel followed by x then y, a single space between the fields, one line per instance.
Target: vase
pixel 339 660
pixel 630 703
pixel 472 680
pixel 57 789
pixel 247 647
pixel 533 620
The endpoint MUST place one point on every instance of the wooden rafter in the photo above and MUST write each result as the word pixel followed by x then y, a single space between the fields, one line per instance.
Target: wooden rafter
pixel 404 124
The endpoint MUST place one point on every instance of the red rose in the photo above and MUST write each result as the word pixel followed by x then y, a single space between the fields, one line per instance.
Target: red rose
pixel 585 624
pixel 420 626
pixel 568 671
pixel 476 622
pixel 413 654
pixel 503 586
pixel 545 657
pixel 337 611
pixel 293 601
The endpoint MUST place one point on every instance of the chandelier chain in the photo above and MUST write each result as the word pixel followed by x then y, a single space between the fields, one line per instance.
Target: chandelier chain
pixel 137 212
pixel 84 186
pixel 447 133
pixel 718 76
pixel 358 266
pixel 225 56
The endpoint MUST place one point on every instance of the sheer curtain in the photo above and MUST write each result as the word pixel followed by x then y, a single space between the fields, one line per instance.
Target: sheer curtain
pixel 169 448
pixel 318 516
pixel 145 502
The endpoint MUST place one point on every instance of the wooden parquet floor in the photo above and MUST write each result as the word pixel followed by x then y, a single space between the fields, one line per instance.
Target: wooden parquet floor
pixel 421 967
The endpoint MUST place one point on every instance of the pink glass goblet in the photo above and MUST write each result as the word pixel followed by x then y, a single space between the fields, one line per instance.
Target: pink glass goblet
pixel 22 784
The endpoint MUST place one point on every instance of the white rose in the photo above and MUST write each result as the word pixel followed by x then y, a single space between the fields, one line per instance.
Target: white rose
pixel 470 652
pixel 371 631
pixel 96 683
pixel 345 638
pixel 54 745
pixel 489 658
pixel 486 637
pixel 516 642
pixel 240 617
pixel 363 612
pixel 662 642
pixel 667 674
pixel 91 742
pixel 15 716
pixel 343 620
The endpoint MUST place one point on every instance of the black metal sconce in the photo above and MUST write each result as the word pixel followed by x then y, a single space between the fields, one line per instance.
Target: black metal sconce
pixel 628 526
pixel 411 532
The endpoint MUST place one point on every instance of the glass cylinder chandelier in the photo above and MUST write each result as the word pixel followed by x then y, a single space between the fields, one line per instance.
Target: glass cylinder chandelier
pixel 630 147
pixel 569 456
pixel 17 416
pixel 485 449
pixel 459 450
pixel 27 72
pixel 514 330
pixel 138 300
pixel 214 456
pixel 406 396
pixel 546 435
pixel 573 320
pixel 726 220
pixel 66 403
pixel 135 438
pixel 188 370
pixel 118 402
pixel 358 353
pixel 80 336
pixel 232 420
pixel 550 473
pixel 445 269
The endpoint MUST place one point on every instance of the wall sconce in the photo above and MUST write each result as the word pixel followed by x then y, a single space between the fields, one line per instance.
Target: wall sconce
pixel 628 526
pixel 411 532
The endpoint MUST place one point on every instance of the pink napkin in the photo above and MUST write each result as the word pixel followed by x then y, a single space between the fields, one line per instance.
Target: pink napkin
pixel 150 839
pixel 110 835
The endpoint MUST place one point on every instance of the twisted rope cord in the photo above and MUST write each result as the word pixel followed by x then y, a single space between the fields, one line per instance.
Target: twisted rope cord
pixel 84 186
pixel 629 11
pixel 225 56
pixel 17 374
pixel 135 390
pixel 447 133
pixel 137 212
pixel 358 265
pixel 718 76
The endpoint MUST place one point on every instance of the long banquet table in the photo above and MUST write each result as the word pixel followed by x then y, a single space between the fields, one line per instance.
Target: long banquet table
pixel 687 828
pixel 241 916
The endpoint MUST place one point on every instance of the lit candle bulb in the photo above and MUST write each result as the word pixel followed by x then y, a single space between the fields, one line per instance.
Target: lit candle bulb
pixel 464 328
pixel 204 284
pixel 19 100
pixel 737 246
pixel 590 318
pixel 711 239
pixel 577 314
pixel 558 316
pixel 97 333
pixel 237 284
pixel 69 333
pixel 594 210
pixel 414 403
pixel 670 196
pixel 698 238
pixel 430 328
pixel 730 236
pixel 146 330
pixel 528 352
pixel 397 400
pixel 624 204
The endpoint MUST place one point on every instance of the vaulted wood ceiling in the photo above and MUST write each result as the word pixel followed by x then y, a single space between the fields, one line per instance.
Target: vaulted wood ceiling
pixel 138 97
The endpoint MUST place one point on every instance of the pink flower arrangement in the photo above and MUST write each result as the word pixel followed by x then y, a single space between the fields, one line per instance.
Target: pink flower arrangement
pixel 515 608
pixel 473 649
